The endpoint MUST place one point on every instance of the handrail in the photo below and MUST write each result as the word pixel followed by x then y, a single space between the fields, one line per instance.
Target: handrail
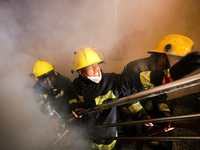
pixel 183 83
pixel 165 138
pixel 164 119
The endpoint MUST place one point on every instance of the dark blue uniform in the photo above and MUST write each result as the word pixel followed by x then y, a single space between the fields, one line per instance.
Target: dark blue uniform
pixel 109 88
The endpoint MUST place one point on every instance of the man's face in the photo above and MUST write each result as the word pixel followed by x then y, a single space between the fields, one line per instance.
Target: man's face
pixel 162 62
pixel 91 71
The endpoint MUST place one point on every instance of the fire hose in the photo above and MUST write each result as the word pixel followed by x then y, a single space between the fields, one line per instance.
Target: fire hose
pixel 51 113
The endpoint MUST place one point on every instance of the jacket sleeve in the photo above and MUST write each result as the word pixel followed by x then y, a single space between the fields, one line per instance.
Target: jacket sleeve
pixel 160 102
pixel 138 111
pixel 151 79
pixel 132 84
pixel 76 101
pixel 134 109
pixel 45 101
pixel 136 83
pixel 41 99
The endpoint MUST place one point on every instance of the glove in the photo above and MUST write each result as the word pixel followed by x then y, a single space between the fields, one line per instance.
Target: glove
pixel 185 66
pixel 169 127
pixel 75 111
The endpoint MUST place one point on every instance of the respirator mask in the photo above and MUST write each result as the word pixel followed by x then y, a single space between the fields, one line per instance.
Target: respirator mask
pixel 49 83
pixel 95 79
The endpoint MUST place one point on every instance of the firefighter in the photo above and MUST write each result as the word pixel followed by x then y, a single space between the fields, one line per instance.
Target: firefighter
pixel 53 92
pixel 168 52
pixel 94 87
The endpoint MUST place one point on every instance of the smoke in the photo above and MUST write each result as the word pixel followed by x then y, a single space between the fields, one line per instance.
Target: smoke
pixel 52 30
pixel 31 31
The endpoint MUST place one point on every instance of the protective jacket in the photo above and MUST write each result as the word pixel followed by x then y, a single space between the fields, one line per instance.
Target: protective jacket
pixel 109 88
pixel 144 64
pixel 156 104
pixel 59 102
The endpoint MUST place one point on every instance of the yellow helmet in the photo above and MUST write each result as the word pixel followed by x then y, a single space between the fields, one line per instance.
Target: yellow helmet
pixel 174 44
pixel 41 68
pixel 86 56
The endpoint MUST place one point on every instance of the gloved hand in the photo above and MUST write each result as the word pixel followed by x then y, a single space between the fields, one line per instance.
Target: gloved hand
pixel 185 66
pixel 169 127
pixel 75 111
pixel 149 124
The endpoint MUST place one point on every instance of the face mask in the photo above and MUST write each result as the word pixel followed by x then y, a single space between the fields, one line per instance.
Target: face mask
pixel 49 83
pixel 95 79
pixel 50 86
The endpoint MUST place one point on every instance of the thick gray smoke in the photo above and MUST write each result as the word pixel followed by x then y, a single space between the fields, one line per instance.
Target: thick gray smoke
pixel 51 30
